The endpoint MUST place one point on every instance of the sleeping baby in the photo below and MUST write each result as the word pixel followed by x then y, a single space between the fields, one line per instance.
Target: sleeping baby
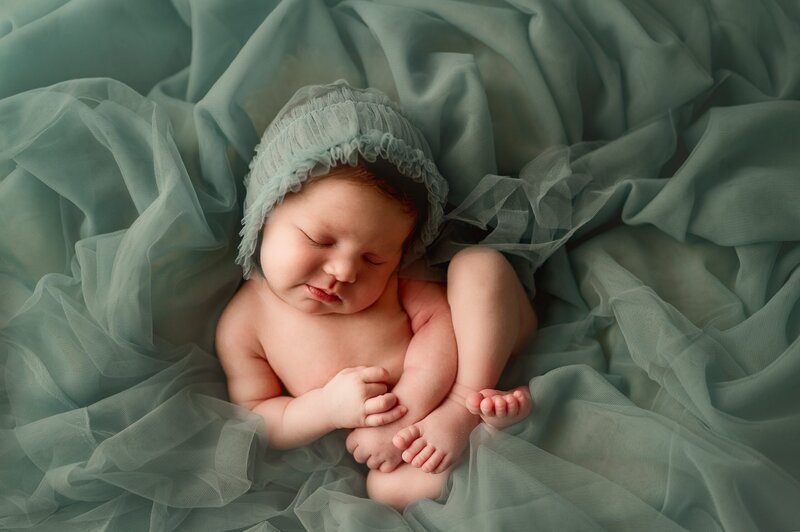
pixel 324 334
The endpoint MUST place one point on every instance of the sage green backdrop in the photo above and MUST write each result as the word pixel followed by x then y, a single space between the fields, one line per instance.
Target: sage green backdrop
pixel 641 156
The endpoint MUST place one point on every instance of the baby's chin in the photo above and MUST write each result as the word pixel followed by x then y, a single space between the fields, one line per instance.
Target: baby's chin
pixel 315 308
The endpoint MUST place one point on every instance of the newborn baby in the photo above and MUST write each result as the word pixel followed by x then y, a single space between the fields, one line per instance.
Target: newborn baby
pixel 341 193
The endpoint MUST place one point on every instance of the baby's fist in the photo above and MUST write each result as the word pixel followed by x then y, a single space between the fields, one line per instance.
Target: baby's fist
pixel 359 397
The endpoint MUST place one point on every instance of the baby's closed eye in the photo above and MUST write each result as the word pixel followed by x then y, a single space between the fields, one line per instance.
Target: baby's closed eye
pixel 375 261
pixel 317 241
pixel 324 242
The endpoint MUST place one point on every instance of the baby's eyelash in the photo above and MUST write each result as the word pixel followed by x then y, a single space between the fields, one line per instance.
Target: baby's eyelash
pixel 370 260
pixel 374 262
pixel 320 244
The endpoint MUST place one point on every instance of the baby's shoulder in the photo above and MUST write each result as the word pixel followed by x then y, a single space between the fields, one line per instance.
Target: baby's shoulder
pixel 418 287
pixel 235 328
pixel 421 296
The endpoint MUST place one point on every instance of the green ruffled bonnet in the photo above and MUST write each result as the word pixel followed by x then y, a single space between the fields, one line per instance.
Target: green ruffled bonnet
pixel 323 126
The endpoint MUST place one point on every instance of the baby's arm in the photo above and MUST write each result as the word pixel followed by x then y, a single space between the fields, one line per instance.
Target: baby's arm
pixel 429 371
pixel 355 397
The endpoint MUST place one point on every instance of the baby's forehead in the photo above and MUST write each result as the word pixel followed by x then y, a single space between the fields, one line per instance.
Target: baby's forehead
pixel 366 216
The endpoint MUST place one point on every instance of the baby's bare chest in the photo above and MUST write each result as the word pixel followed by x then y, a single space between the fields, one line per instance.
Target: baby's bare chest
pixel 307 351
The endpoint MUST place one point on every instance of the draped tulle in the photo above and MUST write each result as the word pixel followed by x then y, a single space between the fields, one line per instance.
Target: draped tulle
pixel 639 157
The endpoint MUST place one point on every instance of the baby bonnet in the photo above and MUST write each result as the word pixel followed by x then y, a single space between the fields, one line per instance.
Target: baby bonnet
pixel 325 125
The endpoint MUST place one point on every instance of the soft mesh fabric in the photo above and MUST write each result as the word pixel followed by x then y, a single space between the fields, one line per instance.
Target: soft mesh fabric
pixel 636 159
pixel 323 126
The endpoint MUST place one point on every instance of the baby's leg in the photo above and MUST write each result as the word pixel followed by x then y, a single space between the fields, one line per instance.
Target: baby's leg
pixel 492 318
pixel 403 486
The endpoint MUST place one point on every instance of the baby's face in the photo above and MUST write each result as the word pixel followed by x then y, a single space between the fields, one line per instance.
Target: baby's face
pixel 332 247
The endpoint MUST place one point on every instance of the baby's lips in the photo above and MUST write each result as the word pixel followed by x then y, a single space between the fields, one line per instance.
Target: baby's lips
pixel 323 295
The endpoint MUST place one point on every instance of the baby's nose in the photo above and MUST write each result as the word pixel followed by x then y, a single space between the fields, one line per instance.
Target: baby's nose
pixel 342 269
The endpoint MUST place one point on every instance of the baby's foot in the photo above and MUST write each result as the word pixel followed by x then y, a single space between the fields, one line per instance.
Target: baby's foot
pixel 437 441
pixel 501 409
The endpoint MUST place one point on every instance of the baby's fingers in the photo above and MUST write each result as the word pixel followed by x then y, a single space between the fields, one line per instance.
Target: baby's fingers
pixel 384 418
pixel 375 390
pixel 380 403
pixel 373 374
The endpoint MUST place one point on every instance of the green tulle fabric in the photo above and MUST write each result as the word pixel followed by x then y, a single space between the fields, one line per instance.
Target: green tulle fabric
pixel 639 156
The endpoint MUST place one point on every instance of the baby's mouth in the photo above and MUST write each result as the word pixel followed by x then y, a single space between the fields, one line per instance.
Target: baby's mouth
pixel 322 295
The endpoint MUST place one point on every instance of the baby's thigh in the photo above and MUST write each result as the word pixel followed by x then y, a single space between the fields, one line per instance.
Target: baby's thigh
pixel 404 485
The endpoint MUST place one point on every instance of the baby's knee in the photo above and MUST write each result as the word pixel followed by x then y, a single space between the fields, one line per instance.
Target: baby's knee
pixel 482 262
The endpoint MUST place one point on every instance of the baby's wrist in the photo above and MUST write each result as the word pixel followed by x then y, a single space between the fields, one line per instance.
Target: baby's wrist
pixel 327 407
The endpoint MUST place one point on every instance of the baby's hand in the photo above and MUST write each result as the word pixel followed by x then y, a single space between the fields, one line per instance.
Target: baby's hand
pixel 357 397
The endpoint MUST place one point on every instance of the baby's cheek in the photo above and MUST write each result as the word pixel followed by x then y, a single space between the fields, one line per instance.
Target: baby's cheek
pixel 303 259
pixel 378 285
pixel 297 264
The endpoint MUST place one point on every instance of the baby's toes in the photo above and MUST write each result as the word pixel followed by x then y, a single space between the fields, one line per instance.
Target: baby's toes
pixel 389 465
pixel 524 399
pixel 445 464
pixel 473 403
pixel 416 447
pixel 487 407
pixel 512 404
pixel 423 456
pixel 433 463
pixel 386 467
pixel 405 437
pixel 500 407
